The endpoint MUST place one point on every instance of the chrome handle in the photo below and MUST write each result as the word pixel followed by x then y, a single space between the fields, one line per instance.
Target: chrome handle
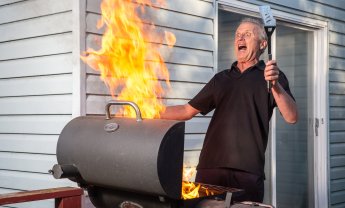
pixel 122 102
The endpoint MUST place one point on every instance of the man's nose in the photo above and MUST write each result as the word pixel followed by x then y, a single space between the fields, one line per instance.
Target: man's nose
pixel 240 36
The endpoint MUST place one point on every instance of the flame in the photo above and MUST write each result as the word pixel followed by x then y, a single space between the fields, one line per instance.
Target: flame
pixel 129 65
pixel 189 189
pixel 192 190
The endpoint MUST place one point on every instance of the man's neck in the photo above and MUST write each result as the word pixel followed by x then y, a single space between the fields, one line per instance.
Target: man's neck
pixel 242 66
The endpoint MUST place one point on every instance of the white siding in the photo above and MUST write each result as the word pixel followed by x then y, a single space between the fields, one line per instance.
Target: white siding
pixel 190 62
pixel 37 57
pixel 35 91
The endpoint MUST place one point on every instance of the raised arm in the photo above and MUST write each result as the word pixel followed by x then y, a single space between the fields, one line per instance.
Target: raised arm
pixel 179 112
pixel 287 106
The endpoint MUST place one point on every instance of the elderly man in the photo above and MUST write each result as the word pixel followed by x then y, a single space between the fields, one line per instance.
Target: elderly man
pixel 233 153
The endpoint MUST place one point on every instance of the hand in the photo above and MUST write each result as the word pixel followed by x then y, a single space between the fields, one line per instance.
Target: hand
pixel 271 72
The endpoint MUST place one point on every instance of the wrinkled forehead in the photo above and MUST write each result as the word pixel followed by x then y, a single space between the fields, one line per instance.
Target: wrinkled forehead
pixel 247 26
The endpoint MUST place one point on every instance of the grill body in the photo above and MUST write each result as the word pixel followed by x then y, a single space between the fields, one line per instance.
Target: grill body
pixel 127 162
pixel 124 154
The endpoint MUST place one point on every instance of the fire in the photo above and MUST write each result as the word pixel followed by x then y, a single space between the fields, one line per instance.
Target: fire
pixel 189 189
pixel 192 190
pixel 129 62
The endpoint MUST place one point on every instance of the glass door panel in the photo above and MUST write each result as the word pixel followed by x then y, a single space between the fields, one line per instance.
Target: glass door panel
pixel 294 143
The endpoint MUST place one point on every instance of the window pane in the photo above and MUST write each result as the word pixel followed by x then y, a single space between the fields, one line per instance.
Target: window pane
pixel 226 32
pixel 294 149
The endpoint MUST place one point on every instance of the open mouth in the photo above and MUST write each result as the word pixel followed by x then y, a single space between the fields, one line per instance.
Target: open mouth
pixel 242 48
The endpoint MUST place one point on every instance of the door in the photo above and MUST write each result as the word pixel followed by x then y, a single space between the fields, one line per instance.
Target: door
pixel 290 155
pixel 294 143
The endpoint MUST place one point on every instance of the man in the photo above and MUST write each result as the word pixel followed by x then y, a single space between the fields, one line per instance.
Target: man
pixel 233 152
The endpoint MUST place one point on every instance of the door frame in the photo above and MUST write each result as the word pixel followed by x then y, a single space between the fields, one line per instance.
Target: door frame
pixel 321 92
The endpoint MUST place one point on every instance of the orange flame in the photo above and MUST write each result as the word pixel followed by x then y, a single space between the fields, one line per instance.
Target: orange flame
pixel 192 190
pixel 127 61
pixel 189 189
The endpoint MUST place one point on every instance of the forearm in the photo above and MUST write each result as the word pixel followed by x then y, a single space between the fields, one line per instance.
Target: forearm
pixel 179 112
pixel 287 106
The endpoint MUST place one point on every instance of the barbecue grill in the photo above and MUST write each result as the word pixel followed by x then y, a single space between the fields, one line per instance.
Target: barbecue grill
pixel 128 162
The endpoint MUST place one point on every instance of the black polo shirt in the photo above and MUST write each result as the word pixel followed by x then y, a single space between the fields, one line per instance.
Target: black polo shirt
pixel 238 132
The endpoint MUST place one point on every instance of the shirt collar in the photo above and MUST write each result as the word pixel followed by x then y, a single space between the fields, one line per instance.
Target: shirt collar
pixel 260 65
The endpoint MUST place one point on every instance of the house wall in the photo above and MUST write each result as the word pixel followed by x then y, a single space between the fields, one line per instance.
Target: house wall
pixel 37 95
pixel 35 91
pixel 190 62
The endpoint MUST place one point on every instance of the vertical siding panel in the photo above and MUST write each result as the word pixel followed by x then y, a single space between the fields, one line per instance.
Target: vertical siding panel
pixel 79 68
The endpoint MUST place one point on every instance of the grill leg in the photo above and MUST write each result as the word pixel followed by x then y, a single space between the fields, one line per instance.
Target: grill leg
pixel 228 199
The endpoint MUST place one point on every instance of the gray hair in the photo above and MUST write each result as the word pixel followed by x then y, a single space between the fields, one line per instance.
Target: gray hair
pixel 257 22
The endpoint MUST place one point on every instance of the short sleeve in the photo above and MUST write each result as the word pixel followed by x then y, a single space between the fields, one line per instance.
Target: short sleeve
pixel 204 101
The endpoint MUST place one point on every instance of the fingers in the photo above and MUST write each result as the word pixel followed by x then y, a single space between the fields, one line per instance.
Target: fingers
pixel 271 62
pixel 271 71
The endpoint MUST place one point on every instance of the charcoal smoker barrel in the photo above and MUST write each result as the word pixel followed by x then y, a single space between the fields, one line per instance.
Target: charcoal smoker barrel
pixel 141 156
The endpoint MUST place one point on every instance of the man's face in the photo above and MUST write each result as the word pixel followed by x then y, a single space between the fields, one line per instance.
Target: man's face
pixel 247 42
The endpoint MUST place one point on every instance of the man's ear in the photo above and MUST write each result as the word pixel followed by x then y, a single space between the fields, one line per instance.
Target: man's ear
pixel 263 44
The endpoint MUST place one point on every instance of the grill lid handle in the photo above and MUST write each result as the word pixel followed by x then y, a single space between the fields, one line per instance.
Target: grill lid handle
pixel 122 102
